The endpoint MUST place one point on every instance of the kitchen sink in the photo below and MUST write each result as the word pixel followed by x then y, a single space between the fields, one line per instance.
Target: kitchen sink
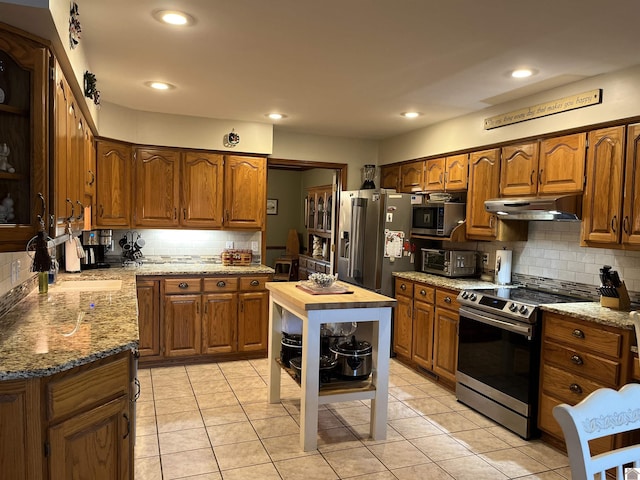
pixel 89 285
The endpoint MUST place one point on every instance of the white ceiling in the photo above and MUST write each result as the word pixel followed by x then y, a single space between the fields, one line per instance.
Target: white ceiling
pixel 350 67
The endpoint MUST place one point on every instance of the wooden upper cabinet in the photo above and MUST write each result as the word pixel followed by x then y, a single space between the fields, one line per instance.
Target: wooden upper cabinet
pixel 390 177
pixel 602 200
pixel 434 174
pixel 245 191
pixel 202 190
pixel 113 184
pixel 561 166
pixel 61 147
pixel 446 174
pixel 456 172
pixel 631 207
pixel 484 176
pixel 519 172
pixel 156 187
pixel 412 177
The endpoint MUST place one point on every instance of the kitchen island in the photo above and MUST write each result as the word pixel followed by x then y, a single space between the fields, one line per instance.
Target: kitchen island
pixel 358 306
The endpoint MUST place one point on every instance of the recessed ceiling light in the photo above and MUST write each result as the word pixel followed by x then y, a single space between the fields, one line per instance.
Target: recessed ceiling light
pixel 160 85
pixel 174 17
pixel 411 114
pixel 276 116
pixel 522 73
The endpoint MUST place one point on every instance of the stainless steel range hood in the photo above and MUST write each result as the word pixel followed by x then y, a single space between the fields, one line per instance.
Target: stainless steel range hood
pixel 559 208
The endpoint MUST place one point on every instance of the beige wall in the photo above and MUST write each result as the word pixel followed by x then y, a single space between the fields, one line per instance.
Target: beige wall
pixel 318 148
pixel 148 128
pixel 621 99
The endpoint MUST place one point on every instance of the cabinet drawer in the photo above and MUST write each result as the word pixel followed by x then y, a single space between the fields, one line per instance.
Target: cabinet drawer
pixel 182 285
pixel 424 293
pixel 311 265
pixel 599 368
pixel 253 283
pixel 220 284
pixel 447 299
pixel 88 388
pixel 585 337
pixel 566 386
pixel 302 262
pixel 404 287
pixel 321 267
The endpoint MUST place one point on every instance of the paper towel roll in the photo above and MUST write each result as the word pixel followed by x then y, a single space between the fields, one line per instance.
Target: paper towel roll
pixel 71 258
pixel 503 267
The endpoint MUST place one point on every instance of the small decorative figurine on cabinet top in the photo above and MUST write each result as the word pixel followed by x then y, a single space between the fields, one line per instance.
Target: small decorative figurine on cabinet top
pixel 5 166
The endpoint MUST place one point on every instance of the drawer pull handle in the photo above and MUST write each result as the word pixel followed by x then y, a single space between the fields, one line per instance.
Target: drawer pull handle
pixel 447 299
pixel 183 285
pixel 221 284
pixel 578 333
pixel 575 388
pixel 423 292
pixel 576 360
pixel 254 283
pixel 403 287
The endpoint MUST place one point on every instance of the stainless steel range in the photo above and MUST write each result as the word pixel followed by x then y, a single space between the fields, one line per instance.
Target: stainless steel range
pixel 499 354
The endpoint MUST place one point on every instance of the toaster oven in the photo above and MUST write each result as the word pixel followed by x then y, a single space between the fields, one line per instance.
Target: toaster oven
pixel 450 263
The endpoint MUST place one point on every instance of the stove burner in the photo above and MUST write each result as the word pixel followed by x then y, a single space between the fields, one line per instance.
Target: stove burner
pixel 530 296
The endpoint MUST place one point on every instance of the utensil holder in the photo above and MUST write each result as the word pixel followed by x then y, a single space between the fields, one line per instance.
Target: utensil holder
pixel 622 302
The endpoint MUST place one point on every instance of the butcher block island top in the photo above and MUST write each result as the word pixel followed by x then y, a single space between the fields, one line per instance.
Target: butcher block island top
pixel 355 298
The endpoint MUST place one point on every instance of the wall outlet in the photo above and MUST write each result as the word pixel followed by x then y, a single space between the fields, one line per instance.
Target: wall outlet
pixel 229 244
pixel 254 246
pixel 485 259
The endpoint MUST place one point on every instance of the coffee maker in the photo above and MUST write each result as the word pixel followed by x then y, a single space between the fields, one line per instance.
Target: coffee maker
pixel 95 243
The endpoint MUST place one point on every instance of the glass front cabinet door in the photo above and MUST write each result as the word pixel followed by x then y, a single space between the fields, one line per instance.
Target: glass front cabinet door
pixel 23 139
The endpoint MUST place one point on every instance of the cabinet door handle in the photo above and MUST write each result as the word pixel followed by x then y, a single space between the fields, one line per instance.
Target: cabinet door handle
pixel 254 283
pixel 578 333
pixel 576 360
pixel 447 299
pixel 423 292
pixel 625 224
pixel 184 213
pixel 126 417
pixel 70 218
pixel 101 211
pixel 575 388
pixel 206 308
pixel 183 285
pixel 136 395
pixel 175 213
pixel 198 308
pixel 93 178
pixel 540 176
pixel 221 284
pixel 614 224
pixel 81 216
pixel 403 287
pixel 242 306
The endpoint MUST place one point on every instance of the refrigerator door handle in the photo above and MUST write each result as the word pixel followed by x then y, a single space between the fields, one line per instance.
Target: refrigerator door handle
pixel 358 223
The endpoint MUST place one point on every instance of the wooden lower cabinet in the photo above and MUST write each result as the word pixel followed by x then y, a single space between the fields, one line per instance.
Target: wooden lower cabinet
pixel 75 425
pixel 425 329
pixel 217 317
pixel 577 359
pixel 148 291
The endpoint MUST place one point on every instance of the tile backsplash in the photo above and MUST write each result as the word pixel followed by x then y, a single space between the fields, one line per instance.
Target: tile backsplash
pixel 188 243
pixel 15 268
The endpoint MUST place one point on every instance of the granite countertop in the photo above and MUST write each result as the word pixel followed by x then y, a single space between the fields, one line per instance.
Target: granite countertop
pixel 445 282
pixel 49 333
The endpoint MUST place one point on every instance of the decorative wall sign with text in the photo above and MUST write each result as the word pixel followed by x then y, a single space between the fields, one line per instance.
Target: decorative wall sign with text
pixel 572 102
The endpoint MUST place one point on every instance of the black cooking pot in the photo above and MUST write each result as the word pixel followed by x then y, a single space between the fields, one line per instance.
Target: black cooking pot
pixel 291 346
pixel 354 359
pixel 327 366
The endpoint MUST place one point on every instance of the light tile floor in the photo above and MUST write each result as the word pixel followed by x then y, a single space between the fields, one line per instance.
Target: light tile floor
pixel 212 422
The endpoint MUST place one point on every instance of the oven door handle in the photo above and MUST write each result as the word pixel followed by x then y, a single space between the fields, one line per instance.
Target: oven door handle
pixel 496 322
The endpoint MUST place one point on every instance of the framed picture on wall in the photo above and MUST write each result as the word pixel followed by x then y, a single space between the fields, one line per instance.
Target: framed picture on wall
pixel 272 206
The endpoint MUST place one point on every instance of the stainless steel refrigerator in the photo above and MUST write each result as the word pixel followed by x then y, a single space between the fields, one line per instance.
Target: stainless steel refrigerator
pixel 373 226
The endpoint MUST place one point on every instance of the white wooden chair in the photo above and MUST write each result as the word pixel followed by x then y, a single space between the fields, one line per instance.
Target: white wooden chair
pixel 604 412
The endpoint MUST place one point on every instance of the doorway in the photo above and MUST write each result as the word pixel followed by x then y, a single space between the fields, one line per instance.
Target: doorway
pixel 287 184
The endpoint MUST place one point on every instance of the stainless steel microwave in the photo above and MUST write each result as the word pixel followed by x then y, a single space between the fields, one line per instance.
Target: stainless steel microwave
pixel 450 263
pixel 437 218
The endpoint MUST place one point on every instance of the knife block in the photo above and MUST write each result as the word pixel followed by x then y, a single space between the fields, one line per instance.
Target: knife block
pixel 622 302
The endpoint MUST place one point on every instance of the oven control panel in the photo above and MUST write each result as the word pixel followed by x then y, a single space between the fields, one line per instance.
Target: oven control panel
pixel 496 304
